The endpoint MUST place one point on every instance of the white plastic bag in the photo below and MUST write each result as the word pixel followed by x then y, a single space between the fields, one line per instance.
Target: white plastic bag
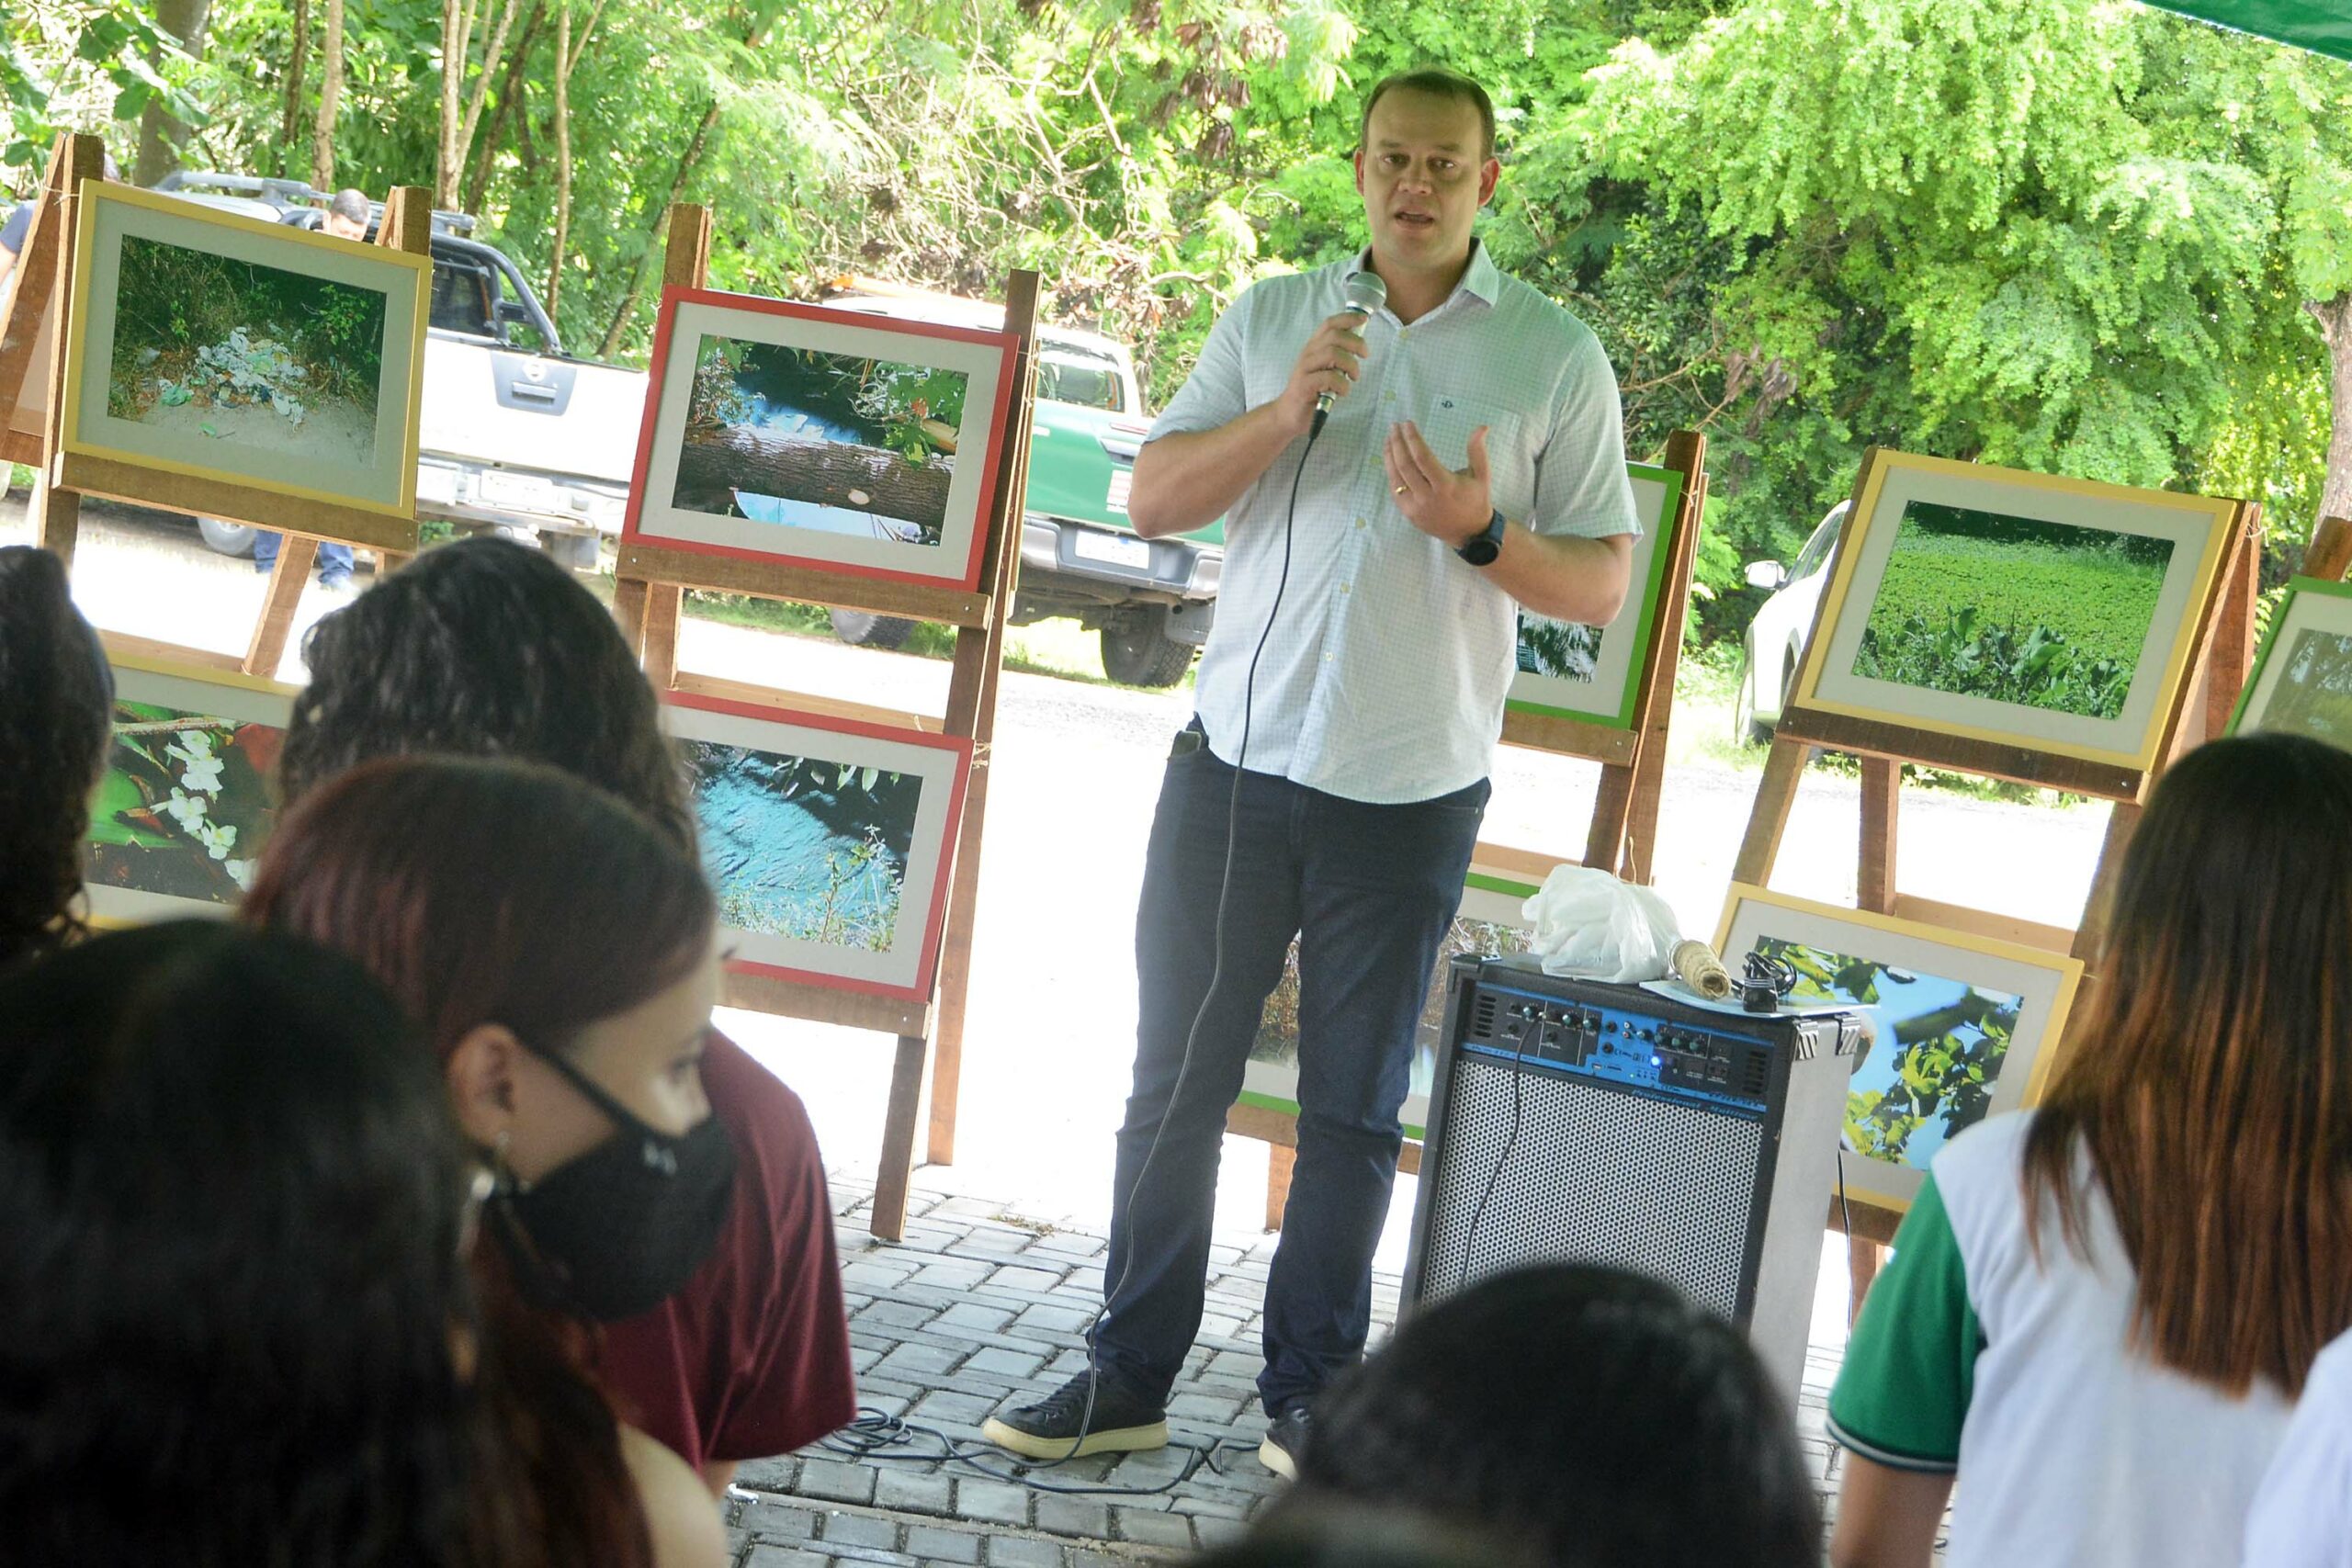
pixel 1590 924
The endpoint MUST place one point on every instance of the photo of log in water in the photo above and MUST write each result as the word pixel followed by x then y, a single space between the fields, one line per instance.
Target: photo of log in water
pixel 839 443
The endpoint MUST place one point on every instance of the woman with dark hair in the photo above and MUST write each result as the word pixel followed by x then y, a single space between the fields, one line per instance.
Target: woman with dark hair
pixel 56 708
pixel 557 950
pixel 487 648
pixel 2099 1312
pixel 1583 1415
pixel 235 1325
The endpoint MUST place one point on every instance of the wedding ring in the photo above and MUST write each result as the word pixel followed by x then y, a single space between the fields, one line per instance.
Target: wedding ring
pixel 1398 491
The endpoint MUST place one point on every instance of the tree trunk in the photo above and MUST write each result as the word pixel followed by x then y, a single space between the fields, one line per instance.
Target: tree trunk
pixel 660 214
pixel 330 99
pixel 160 136
pixel 456 42
pixel 480 94
pixel 823 473
pixel 554 290
pixel 510 97
pixel 2335 318
pixel 298 60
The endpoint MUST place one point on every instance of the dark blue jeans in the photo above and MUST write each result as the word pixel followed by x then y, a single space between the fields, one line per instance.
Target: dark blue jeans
pixel 335 560
pixel 1370 891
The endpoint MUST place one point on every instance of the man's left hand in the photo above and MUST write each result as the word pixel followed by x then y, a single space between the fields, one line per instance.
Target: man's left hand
pixel 1449 505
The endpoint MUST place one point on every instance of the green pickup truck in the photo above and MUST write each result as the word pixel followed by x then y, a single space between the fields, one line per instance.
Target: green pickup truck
pixel 1152 600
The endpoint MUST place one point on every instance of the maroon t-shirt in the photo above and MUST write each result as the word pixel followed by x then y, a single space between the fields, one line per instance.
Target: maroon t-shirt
pixel 752 1359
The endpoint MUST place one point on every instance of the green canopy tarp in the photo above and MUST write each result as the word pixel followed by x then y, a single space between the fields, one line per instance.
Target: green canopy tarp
pixel 2320 27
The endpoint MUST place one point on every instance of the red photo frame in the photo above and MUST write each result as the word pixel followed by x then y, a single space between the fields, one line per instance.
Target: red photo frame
pixel 988 360
pixel 943 763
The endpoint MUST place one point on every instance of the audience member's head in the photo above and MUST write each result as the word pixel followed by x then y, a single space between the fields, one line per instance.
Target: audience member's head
pixel 235 1317
pixel 1598 1418
pixel 2213 1091
pixel 485 647
pixel 56 703
pixel 558 950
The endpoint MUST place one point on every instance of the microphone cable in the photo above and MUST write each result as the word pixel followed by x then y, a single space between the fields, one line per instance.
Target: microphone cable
pixel 1216 966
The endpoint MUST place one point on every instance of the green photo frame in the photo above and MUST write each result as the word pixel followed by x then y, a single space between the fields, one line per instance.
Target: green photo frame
pixel 1593 675
pixel 2302 682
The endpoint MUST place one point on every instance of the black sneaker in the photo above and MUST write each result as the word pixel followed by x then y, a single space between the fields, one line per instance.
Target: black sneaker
pixel 1059 1426
pixel 1284 1441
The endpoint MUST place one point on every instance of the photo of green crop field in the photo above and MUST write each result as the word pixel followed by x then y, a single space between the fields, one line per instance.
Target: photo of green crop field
pixel 2045 614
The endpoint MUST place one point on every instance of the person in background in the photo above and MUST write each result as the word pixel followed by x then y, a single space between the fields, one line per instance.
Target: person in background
pixel 1589 1417
pixel 486 648
pixel 557 950
pixel 56 729
pixel 235 1325
pixel 347 217
pixel 2099 1312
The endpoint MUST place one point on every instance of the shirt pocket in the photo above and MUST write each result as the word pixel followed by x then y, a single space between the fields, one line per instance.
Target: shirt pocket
pixel 1511 467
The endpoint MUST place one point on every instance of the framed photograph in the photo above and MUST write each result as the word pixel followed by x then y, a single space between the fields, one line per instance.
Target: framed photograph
pixel 189 794
pixel 821 438
pixel 1959 1027
pixel 215 346
pixel 1594 673
pixel 1489 923
pixel 825 841
pixel 2303 679
pixel 2054 614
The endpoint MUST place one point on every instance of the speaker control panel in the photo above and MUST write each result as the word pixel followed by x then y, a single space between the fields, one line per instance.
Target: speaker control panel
pixel 1633 1049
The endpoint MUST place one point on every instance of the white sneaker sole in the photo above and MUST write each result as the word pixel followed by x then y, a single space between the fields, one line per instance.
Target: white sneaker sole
pixel 1276 1458
pixel 1111 1439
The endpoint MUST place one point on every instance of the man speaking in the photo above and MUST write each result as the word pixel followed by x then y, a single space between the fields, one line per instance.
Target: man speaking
pixel 1471 463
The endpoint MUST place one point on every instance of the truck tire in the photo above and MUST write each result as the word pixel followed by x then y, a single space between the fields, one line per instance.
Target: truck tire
pixel 228 538
pixel 860 629
pixel 1136 652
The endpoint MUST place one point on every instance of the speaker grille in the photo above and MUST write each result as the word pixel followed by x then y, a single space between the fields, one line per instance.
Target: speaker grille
pixel 1597 1176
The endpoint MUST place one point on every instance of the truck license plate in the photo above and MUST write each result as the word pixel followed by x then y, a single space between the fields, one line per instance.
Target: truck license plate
pixel 518 493
pixel 1114 549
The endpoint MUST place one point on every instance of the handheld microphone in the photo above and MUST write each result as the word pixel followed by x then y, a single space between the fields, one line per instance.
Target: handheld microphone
pixel 1365 294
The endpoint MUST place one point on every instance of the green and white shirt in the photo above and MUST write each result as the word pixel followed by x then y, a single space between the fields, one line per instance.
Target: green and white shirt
pixel 1974 1355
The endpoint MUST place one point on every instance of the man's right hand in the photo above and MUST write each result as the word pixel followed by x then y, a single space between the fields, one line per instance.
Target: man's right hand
pixel 1331 361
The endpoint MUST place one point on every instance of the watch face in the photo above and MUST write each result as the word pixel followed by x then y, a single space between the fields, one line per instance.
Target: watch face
pixel 1481 551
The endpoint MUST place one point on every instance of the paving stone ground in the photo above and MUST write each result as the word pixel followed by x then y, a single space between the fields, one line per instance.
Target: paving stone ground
pixel 978 1304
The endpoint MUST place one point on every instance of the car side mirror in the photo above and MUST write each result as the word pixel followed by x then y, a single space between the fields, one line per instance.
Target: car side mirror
pixel 1767 575
pixel 514 313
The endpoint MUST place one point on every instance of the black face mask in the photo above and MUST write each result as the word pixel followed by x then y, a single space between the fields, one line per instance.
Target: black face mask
pixel 620 1229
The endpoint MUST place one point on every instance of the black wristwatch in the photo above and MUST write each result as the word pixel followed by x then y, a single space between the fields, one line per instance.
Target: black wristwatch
pixel 1485 545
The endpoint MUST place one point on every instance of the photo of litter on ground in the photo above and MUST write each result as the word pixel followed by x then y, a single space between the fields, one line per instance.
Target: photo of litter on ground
pixel 252 357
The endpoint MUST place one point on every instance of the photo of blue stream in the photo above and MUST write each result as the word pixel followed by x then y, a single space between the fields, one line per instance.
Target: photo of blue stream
pixel 803 847
pixel 1937 1047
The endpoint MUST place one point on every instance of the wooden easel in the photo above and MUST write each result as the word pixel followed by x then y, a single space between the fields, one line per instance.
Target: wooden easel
pixel 1623 832
pixel 649 601
pixel 2220 653
pixel 66 477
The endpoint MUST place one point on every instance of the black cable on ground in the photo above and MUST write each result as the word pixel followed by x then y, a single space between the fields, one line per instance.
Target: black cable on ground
pixel 878 1436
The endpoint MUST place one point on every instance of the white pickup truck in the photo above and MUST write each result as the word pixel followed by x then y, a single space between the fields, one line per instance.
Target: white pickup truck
pixel 515 434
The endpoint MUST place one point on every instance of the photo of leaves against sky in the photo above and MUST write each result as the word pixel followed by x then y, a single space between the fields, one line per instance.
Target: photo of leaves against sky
pixel 802 847
pixel 251 357
pixel 185 806
pixel 2013 609
pixel 1937 1047
pixel 844 444
pixel 2313 694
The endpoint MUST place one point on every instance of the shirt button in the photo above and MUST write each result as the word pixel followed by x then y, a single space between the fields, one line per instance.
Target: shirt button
pixel 1360 522
pixel 1387 397
pixel 1343 588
